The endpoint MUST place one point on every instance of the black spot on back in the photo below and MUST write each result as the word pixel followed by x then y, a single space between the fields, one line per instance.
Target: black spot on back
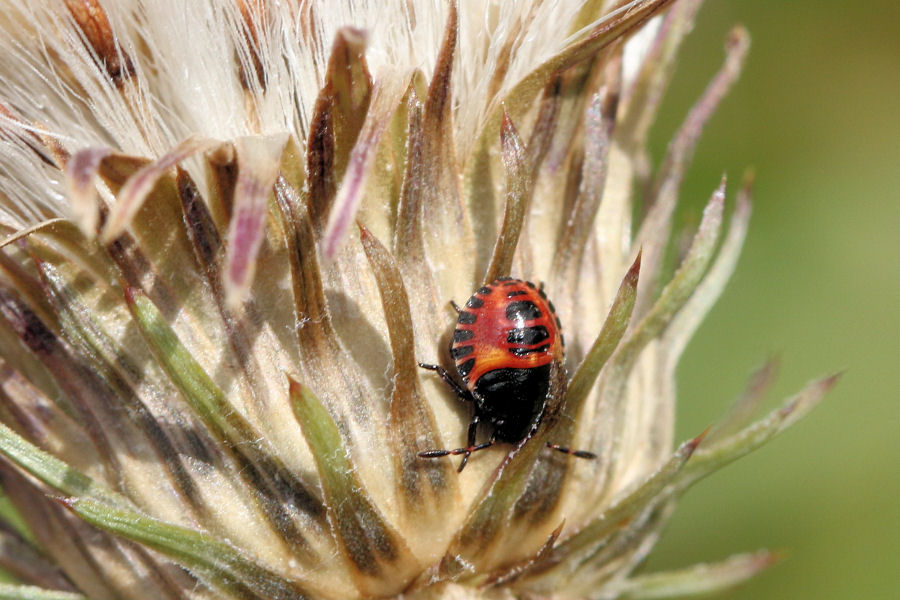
pixel 484 291
pixel 466 318
pixel 460 351
pixel 528 336
pixel 527 351
pixel 517 293
pixel 523 309
pixel 466 367
pixel 475 302
pixel 462 335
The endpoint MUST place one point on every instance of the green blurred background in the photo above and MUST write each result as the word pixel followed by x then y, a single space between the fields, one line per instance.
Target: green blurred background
pixel 816 113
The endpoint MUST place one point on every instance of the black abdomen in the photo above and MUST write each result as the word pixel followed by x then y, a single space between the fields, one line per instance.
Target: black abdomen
pixel 512 399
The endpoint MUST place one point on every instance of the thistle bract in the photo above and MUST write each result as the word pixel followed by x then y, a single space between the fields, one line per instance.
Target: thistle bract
pixel 232 230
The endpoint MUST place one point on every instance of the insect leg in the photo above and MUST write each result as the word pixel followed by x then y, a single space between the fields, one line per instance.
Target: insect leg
pixel 575 453
pixel 460 391
pixel 466 452
pixel 470 442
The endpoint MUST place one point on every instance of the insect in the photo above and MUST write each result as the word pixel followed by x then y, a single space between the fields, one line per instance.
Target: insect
pixel 506 340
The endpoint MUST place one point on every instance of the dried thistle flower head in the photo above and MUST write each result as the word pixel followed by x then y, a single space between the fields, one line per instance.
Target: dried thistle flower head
pixel 233 229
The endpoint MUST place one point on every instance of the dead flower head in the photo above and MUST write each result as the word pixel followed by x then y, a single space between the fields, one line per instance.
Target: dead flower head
pixel 232 229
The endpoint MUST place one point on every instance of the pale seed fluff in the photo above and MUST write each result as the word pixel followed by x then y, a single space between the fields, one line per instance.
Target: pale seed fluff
pixel 233 228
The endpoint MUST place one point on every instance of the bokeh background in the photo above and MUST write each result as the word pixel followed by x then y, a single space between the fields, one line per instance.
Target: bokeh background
pixel 817 114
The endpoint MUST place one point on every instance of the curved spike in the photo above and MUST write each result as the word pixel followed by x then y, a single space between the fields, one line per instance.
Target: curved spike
pixel 428 491
pixel 139 185
pixel 385 97
pixel 217 563
pixel 258 164
pixel 519 179
pixel 281 490
pixel 379 559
